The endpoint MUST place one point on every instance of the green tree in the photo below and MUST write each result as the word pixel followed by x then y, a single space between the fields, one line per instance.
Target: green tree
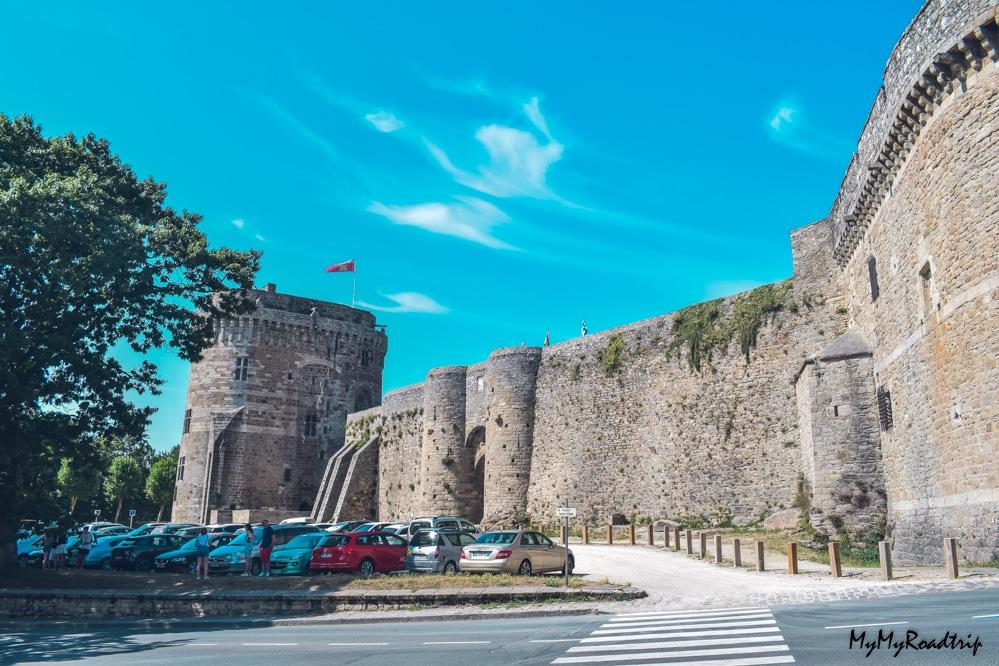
pixel 161 480
pixel 78 479
pixel 124 480
pixel 90 257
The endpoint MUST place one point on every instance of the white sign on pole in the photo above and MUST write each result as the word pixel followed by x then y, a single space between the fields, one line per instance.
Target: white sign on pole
pixel 565 512
pixel 131 513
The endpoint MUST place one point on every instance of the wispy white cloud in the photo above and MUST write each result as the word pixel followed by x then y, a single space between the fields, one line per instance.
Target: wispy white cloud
pixel 408 301
pixel 467 217
pixel 384 121
pixel 260 238
pixel 789 126
pixel 723 288
pixel 239 224
pixel 471 87
pixel 518 163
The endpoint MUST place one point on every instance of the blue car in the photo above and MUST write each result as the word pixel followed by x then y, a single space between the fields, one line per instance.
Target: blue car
pixel 185 558
pixel 231 559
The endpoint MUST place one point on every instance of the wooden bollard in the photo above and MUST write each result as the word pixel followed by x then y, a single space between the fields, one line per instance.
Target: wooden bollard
pixel 737 547
pixel 586 534
pixel 792 557
pixel 885 552
pixel 652 536
pixel 610 534
pixel 718 549
pixel 703 543
pixel 950 557
pixel 631 534
pixel 666 537
pixel 690 542
pixel 676 539
pixel 759 556
pixel 835 564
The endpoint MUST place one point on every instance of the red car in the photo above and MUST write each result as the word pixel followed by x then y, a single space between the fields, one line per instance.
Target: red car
pixel 365 552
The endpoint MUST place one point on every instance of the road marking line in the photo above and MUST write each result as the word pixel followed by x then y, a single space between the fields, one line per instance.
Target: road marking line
pixel 555 640
pixel 354 644
pixel 678 644
pixel 709 625
pixel 268 644
pixel 674 654
pixel 682 634
pixel 648 623
pixel 200 644
pixel 688 612
pixel 670 616
pixel 456 643
pixel 982 617
pixel 876 624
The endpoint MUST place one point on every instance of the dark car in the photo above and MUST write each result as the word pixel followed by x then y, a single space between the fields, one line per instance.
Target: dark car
pixel 185 558
pixel 364 552
pixel 139 553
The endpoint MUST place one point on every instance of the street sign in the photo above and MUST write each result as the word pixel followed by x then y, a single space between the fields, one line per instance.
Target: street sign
pixel 565 512
pixel 131 513
pixel 97 513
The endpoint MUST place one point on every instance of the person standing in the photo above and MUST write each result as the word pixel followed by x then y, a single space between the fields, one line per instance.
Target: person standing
pixel 87 541
pixel 48 546
pixel 251 538
pixel 60 547
pixel 201 550
pixel 266 544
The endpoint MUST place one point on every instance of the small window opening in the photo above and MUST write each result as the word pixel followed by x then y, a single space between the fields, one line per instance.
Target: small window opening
pixel 926 288
pixel 884 408
pixel 242 365
pixel 287 474
pixel 872 274
pixel 310 425
pixel 187 421
pixel 181 463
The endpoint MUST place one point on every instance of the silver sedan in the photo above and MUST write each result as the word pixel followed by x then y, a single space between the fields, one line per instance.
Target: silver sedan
pixel 515 551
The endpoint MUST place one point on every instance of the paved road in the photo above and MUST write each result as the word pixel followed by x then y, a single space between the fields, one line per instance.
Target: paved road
pixel 742 636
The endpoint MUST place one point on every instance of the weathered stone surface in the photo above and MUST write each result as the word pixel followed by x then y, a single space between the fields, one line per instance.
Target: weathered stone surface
pixel 785 519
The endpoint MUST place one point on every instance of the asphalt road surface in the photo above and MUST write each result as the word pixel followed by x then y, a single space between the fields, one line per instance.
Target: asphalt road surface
pixel 738 636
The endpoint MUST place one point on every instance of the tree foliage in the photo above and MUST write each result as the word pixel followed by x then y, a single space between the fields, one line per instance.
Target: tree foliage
pixel 91 257
pixel 124 480
pixel 161 479
pixel 78 479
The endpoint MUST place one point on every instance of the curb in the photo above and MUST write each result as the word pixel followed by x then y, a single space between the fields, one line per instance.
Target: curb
pixel 251 623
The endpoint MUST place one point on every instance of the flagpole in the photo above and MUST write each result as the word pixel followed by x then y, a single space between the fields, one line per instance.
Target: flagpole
pixel 353 293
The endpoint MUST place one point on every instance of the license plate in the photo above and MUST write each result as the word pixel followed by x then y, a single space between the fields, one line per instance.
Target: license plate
pixel 478 555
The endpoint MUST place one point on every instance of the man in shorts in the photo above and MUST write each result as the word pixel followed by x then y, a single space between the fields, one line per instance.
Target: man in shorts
pixel 266 545
pixel 87 541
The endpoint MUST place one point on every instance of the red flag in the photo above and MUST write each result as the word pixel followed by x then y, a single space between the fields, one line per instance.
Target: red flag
pixel 345 267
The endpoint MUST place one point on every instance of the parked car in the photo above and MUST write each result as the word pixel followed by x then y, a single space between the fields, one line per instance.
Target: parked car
pixel 370 527
pixel 188 532
pixel 437 550
pixel 171 528
pixel 185 558
pixel 139 553
pixel 303 520
pixel 99 556
pixel 295 556
pixel 29 543
pixel 364 552
pixel 446 522
pixel 145 528
pixel 228 528
pixel 230 558
pixel 114 530
pixel 521 552
pixel 345 526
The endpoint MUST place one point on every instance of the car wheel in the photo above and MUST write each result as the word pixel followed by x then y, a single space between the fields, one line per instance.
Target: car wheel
pixel 192 567
pixel 144 565
pixel 450 568
pixel 255 567
pixel 367 568
pixel 572 565
pixel 525 568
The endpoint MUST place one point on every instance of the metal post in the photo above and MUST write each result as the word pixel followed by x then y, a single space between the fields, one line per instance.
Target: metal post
pixel 759 556
pixel 835 565
pixel 950 557
pixel 565 544
pixel 885 552
pixel 737 547
pixel 792 558
pixel 718 549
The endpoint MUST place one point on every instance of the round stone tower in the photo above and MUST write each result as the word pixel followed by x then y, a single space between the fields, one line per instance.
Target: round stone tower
pixel 268 403
pixel 443 455
pixel 511 375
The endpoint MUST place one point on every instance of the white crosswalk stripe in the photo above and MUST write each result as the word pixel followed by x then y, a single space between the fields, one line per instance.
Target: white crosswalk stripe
pixel 746 636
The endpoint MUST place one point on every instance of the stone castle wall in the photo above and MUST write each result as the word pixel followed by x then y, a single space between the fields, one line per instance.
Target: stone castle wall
pixel 261 442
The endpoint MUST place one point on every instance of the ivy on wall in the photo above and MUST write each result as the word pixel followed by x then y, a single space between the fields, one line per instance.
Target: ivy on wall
pixel 703 328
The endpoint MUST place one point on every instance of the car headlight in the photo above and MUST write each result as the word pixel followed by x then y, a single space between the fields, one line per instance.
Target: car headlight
pixel 305 557
pixel 238 557
pixel 178 559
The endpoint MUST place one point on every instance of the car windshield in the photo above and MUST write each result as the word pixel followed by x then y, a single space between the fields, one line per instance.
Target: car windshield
pixel 126 542
pixel 239 540
pixel 304 541
pixel 335 540
pixel 424 538
pixel 366 527
pixel 496 537
pixel 189 545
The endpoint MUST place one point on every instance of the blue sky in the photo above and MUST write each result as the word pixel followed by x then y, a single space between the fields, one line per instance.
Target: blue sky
pixel 497 169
